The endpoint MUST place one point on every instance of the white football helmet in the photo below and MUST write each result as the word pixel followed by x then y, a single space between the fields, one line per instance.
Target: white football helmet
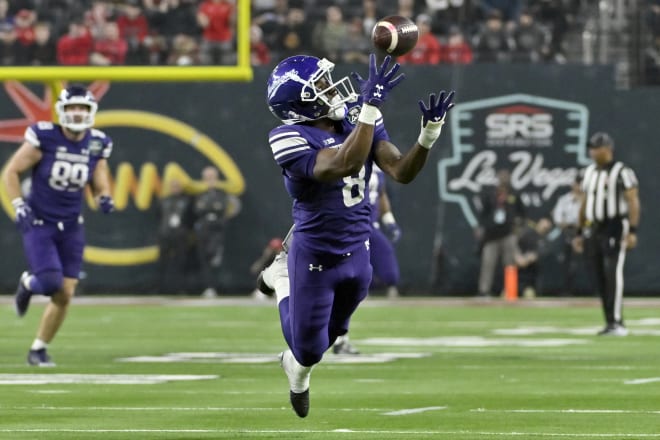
pixel 76 120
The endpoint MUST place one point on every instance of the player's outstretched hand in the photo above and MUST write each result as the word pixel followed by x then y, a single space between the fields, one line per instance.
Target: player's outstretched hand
pixel 381 81
pixel 433 117
pixel 107 204
pixel 24 215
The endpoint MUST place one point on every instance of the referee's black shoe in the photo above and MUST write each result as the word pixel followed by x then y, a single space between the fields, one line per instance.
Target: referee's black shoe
pixel 614 330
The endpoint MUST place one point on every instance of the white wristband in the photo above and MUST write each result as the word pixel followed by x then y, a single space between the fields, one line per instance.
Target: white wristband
pixel 369 114
pixel 388 218
pixel 429 134
pixel 18 201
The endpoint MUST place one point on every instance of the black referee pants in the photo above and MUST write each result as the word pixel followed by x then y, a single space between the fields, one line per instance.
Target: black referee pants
pixel 606 255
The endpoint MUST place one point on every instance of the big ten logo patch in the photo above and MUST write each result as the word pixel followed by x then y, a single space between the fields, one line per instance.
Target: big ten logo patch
pixel 541 141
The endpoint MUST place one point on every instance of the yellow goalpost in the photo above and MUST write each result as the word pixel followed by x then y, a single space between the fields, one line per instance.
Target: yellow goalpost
pixel 242 71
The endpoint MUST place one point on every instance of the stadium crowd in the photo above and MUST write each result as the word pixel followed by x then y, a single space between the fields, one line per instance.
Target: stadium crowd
pixel 202 32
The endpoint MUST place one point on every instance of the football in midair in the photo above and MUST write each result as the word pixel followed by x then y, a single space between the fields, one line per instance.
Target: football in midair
pixel 395 35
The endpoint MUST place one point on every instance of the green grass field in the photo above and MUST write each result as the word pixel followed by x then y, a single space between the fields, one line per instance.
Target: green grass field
pixel 441 369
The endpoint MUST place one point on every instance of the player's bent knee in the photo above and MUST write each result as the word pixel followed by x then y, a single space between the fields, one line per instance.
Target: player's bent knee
pixel 49 283
pixel 309 358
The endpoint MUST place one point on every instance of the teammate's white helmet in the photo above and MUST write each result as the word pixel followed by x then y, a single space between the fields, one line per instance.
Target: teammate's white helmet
pixel 76 120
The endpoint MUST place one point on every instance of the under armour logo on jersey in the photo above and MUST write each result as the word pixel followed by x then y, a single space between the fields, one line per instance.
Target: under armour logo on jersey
pixel 312 268
pixel 379 88
pixel 367 244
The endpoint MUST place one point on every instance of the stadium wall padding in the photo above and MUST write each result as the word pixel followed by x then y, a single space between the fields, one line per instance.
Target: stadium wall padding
pixel 559 104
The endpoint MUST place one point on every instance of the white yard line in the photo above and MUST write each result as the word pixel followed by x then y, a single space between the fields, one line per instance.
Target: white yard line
pixel 403 412
pixel 567 411
pixel 375 433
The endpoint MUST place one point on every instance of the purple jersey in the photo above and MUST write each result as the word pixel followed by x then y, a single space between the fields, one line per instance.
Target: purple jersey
pixel 329 216
pixel 66 166
pixel 376 183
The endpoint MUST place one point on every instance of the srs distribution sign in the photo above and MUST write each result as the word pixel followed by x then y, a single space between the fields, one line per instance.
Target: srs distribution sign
pixel 142 187
pixel 541 141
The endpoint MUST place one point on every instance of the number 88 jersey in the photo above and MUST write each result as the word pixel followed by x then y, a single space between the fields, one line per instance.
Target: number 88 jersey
pixel 66 166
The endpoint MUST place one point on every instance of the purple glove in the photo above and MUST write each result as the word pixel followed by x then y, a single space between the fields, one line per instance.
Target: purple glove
pixel 374 89
pixel 392 231
pixel 107 204
pixel 436 111
pixel 24 215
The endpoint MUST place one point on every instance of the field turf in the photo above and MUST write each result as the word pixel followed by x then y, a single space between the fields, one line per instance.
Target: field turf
pixel 156 368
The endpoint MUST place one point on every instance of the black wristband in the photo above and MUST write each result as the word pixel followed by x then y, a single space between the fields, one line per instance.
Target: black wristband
pixel 632 229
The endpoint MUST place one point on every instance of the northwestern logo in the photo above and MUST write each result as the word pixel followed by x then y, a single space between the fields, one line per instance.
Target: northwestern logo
pixel 541 141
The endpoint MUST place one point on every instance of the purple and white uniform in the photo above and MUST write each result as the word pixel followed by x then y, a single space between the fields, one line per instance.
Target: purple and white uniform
pixel 328 260
pixel 57 188
pixel 383 254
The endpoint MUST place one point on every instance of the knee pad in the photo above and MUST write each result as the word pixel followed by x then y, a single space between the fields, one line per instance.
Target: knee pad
pixel 47 283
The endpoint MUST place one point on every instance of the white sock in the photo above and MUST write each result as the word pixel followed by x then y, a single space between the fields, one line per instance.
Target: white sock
pixel 299 375
pixel 341 339
pixel 281 288
pixel 38 344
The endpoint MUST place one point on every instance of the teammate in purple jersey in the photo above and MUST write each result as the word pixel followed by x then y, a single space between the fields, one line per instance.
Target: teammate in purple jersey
pixel 326 148
pixel 385 233
pixel 62 158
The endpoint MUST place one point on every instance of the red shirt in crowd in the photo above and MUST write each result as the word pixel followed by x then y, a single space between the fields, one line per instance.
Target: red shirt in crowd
pixel 219 15
pixel 460 53
pixel 130 28
pixel 74 50
pixel 428 50
pixel 114 50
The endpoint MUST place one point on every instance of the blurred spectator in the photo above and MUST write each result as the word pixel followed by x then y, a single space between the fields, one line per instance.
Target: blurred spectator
pixel 7 34
pixel 74 47
pixel 217 18
pixel 271 19
pixel 97 17
pixel 42 52
pixel 428 49
pixel 652 62
pixel 212 209
pixel 409 8
pixel 457 50
pixel 259 52
pixel 553 15
pixel 565 215
pixel 653 17
pixel 294 36
pixel 529 250
pixel 492 43
pixel 184 52
pixel 175 17
pixel 355 46
pixel 133 28
pixel 109 48
pixel 508 10
pixel 500 212
pixel 328 34
pixel 24 33
pixel 174 237
pixel 370 15
pixel 447 14
pixel 530 39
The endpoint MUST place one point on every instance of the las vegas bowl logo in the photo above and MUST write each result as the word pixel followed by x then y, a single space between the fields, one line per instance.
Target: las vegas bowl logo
pixel 541 141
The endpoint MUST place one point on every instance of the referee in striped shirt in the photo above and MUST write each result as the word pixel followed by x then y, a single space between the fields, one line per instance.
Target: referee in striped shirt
pixel 609 216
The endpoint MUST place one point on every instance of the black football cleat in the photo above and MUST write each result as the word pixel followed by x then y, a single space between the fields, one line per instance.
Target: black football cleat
pixel 23 296
pixel 263 287
pixel 39 358
pixel 300 402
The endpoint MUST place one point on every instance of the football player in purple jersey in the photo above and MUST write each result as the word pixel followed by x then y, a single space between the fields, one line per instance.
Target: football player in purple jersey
pixel 326 148
pixel 63 159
